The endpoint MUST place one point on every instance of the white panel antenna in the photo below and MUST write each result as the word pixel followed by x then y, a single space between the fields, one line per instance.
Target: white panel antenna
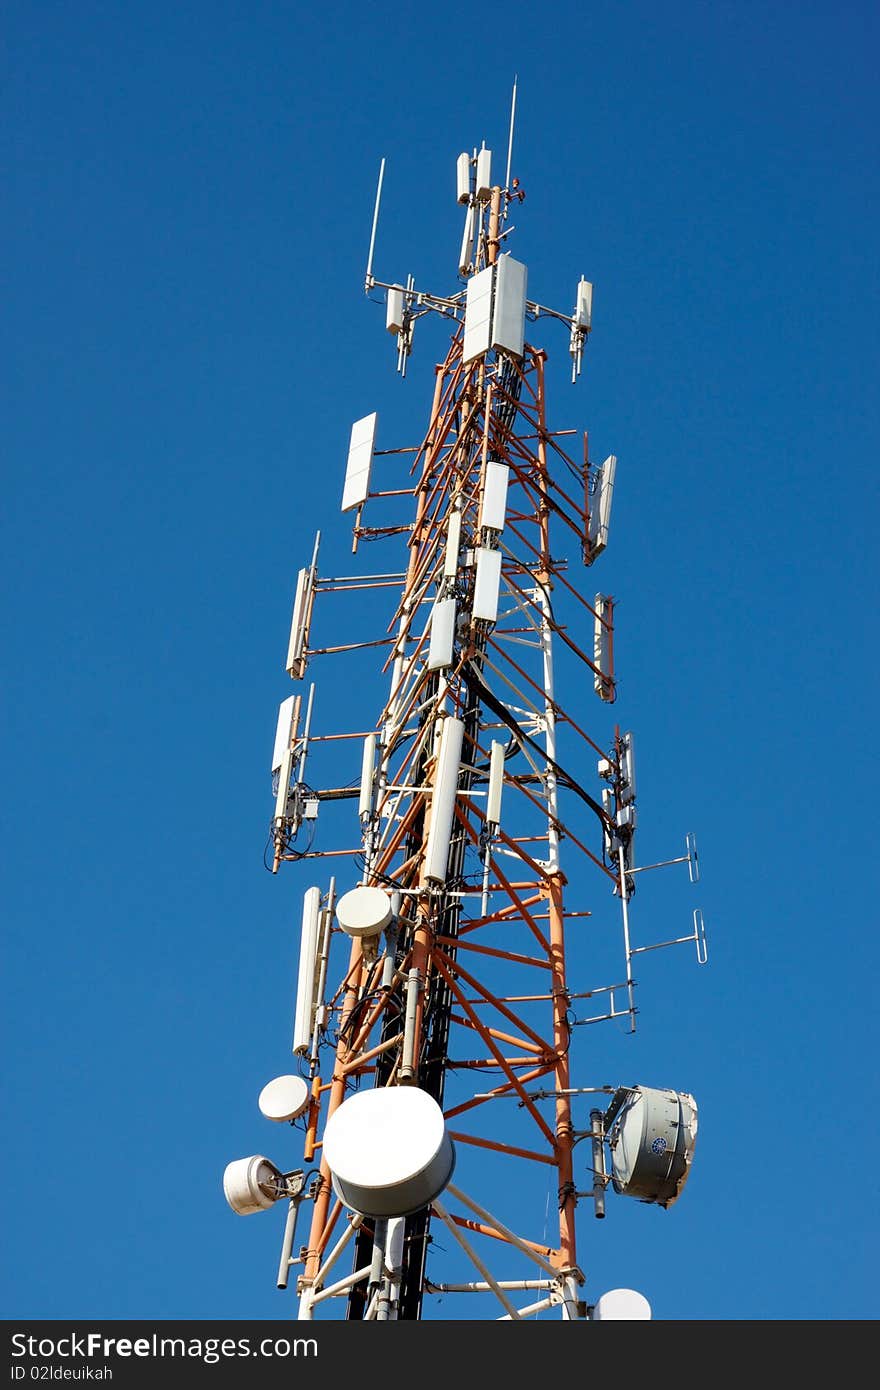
pixel 509 313
pixel 486 584
pixel 299 624
pixel 478 314
pixel 494 504
pixel 496 783
pixel 583 309
pixel 442 634
pixel 484 175
pixel 305 988
pixel 283 731
pixel 463 177
pixel 443 800
pixel 395 311
pixel 603 678
pixel 360 462
pixel 466 254
pixel 453 545
pixel 600 507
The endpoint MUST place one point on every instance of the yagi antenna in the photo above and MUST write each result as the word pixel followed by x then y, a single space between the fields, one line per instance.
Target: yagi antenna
pixel 368 283
pixel 510 137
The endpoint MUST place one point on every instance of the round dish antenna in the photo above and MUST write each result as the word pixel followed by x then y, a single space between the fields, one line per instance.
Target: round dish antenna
pixel 388 1151
pixel 252 1184
pixel 652 1145
pixel 364 911
pixel 621 1305
pixel 285 1098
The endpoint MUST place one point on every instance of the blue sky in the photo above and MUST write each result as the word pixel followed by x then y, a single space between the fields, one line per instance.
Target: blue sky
pixel 189 193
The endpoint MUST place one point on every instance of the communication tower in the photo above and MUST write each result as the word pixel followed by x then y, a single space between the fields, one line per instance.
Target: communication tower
pixel 444 976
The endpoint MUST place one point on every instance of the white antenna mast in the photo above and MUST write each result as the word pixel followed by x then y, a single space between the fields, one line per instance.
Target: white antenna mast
pixel 368 282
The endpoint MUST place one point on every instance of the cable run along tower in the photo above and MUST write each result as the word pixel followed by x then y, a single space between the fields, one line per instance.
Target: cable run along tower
pixel 444 966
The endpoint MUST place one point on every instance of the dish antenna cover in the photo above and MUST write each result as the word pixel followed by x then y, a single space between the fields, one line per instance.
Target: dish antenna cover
pixel 251 1184
pixel 364 911
pixel 285 1098
pixel 652 1144
pixel 621 1305
pixel 388 1151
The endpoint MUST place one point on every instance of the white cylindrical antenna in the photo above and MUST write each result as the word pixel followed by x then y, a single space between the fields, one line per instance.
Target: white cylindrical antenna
pixel 484 175
pixel 453 545
pixel 365 804
pixel 463 177
pixel 466 254
pixel 305 986
pixel 443 800
pixel 496 783
pixel 368 283
pixel 510 137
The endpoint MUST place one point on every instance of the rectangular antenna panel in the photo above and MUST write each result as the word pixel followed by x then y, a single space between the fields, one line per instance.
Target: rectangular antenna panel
pixel 453 545
pixel 443 800
pixel 283 731
pixel 484 176
pixel 508 319
pixel 583 309
pixel 360 462
pixel 494 508
pixel 487 584
pixel 305 985
pixel 463 177
pixel 394 309
pixel 299 625
pixel 603 680
pixel 478 314
pixel 600 509
pixel 442 634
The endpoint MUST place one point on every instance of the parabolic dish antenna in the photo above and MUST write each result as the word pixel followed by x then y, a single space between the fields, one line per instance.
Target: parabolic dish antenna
pixel 251 1184
pixel 388 1151
pixel 621 1305
pixel 364 911
pixel 652 1144
pixel 284 1098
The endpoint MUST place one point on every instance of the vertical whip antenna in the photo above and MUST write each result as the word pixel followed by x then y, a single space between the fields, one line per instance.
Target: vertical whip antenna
pixel 510 136
pixel 368 281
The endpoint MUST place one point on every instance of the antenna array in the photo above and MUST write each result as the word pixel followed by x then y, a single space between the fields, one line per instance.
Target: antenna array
pixel 449 977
